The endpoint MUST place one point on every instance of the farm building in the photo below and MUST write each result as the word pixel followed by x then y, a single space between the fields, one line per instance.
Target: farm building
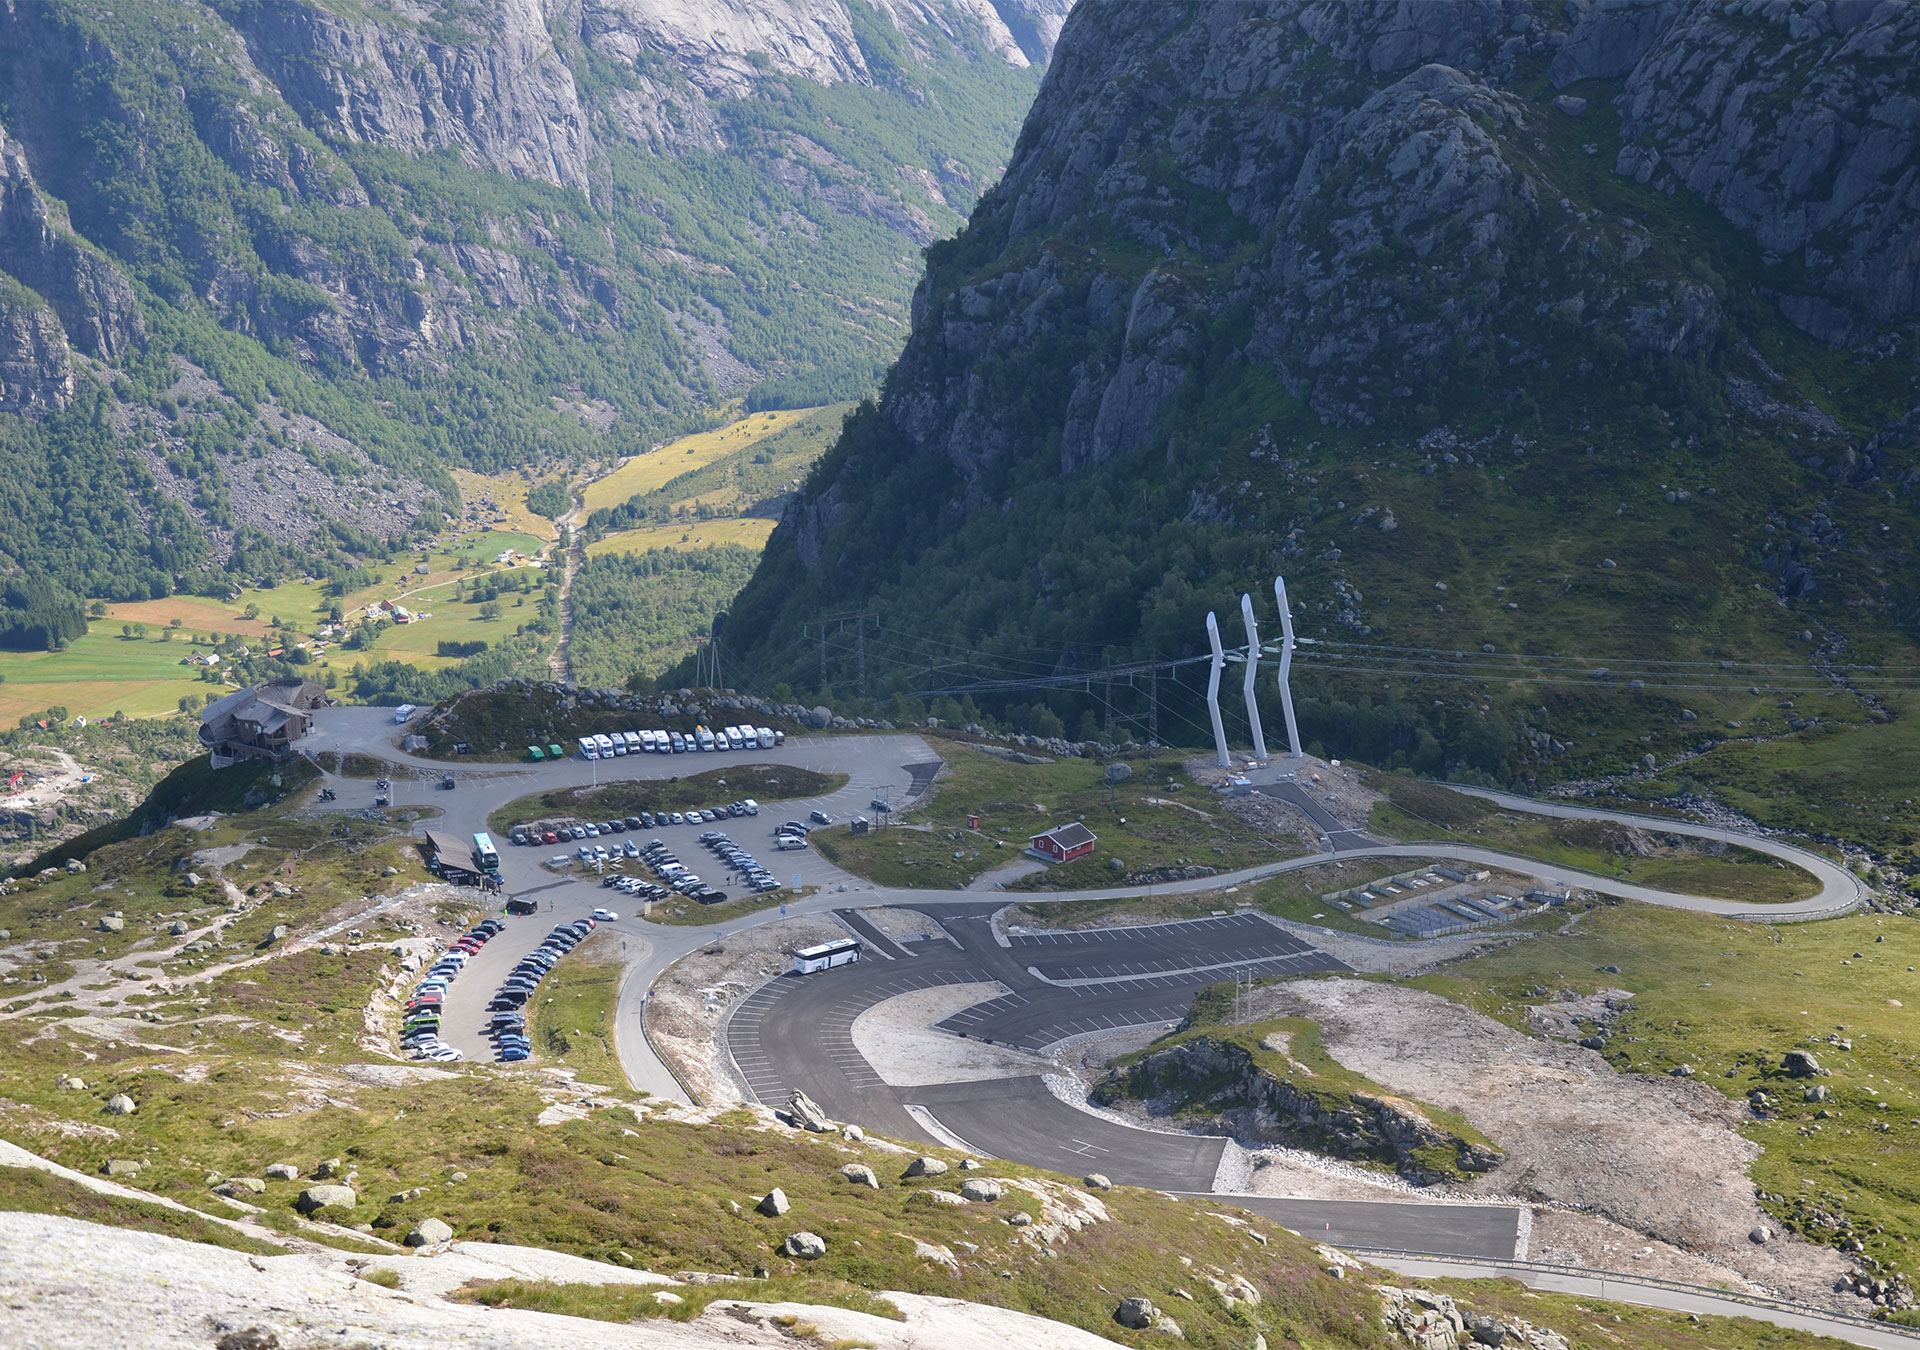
pixel 1063 843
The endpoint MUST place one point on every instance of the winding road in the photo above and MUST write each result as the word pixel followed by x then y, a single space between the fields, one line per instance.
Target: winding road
pixel 795 1032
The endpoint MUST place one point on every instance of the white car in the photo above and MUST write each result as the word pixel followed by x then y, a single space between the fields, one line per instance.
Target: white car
pixel 445 1054
pixel 605 916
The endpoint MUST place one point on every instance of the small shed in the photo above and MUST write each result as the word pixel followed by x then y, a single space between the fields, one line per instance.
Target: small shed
pixel 1063 843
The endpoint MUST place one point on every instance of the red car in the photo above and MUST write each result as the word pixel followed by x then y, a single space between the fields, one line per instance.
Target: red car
pixel 550 837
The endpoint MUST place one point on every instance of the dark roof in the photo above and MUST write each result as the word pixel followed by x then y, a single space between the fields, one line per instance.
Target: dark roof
pixel 450 846
pixel 1069 836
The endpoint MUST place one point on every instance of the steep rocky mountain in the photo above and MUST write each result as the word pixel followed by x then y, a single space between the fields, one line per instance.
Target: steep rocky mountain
pixel 287 262
pixel 1523 337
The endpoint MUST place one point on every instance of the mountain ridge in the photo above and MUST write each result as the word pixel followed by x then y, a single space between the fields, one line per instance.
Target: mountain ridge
pixel 1278 288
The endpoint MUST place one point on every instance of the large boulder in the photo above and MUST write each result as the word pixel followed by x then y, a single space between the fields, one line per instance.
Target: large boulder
pixel 805 1112
pixel 820 719
pixel 429 1233
pixel 326 1197
pixel 122 1167
pixel 804 1246
pixel 111 924
pixel 924 1166
pixel 860 1175
pixel 1136 1313
pixel 282 1172
pixel 981 1190
pixel 120 1104
pixel 1800 1064
pixel 774 1203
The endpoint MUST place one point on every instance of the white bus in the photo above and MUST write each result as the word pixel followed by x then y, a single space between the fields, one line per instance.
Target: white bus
pixel 827 955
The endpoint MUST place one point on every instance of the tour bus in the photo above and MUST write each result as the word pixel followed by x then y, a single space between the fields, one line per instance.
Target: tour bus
pixel 703 738
pixel 825 956
pixel 484 853
pixel 588 750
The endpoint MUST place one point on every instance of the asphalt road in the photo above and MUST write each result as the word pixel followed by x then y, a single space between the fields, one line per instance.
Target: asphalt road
pixel 1062 986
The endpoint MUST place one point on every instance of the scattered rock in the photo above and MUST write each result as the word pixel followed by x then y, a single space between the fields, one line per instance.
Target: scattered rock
pixel 935 1197
pixel 122 1167
pixel 774 1203
pixel 250 1338
pixel 860 1175
pixel 120 1104
pixel 853 1134
pixel 109 924
pixel 282 1172
pixel 178 928
pixel 804 1246
pixel 924 1166
pixel 429 1233
pixel 70 1084
pixel 328 1168
pixel 666 1298
pixel 1818 1092
pixel 1760 1236
pixel 1096 1181
pixel 1020 1218
pixel 1571 105
pixel 969 1165
pixel 1681 1071
pixel 326 1197
pixel 234 1185
pixel 1136 1313
pixel 981 1190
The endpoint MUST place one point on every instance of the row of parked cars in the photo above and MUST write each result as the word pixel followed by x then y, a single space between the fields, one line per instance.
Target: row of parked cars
pixel 743 737
pixel 544 832
pixel 677 875
pixel 420 1032
pixel 508 1022
pixel 741 861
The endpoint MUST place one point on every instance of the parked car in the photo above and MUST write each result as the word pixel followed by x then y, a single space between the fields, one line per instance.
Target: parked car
pixel 820 818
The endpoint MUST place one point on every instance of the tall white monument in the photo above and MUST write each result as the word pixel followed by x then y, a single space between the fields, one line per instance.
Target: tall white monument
pixel 1253 669
pixel 1213 691
pixel 1286 666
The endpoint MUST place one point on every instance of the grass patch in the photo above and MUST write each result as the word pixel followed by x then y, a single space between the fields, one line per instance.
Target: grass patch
pixel 631 1302
pixel 1144 822
pixel 1644 855
pixel 384 1276
pixel 691 914
pixel 28 1190
pixel 1731 999
pixel 652 471
pixel 572 1022
pixel 740 531
pixel 764 783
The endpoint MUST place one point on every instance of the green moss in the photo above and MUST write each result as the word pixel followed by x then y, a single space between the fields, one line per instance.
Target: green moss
pixel 29 1190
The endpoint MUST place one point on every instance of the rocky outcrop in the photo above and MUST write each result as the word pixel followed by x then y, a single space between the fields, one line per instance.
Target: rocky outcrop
pixel 1221 1087
pixel 487 83
pixel 36 366
pixel 93 300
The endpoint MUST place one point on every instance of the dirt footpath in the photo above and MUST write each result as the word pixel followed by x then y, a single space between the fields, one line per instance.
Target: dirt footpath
pixel 1654 1155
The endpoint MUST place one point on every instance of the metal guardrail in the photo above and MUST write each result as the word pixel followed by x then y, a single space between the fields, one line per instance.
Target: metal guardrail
pixel 653 1045
pixel 1648 1281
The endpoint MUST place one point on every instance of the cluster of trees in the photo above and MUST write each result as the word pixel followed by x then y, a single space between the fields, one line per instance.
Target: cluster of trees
pixel 639 612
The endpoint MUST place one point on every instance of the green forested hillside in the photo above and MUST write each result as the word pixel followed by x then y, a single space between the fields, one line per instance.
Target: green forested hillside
pixel 281 317
pixel 1564 466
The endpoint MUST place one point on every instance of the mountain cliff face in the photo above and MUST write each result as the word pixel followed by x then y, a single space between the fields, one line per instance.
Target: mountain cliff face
pixel 377 239
pixel 1596 317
